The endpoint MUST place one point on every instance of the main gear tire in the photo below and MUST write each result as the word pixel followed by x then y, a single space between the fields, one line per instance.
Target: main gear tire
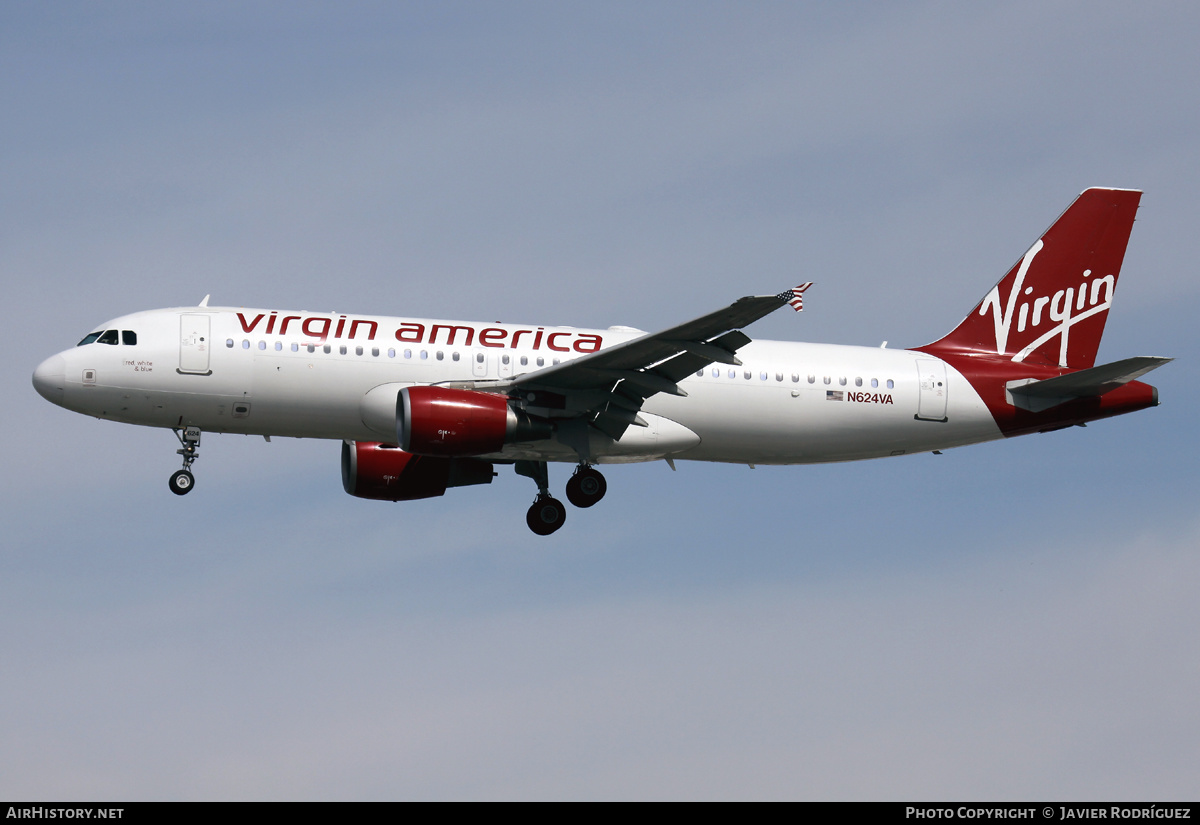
pixel 546 515
pixel 586 487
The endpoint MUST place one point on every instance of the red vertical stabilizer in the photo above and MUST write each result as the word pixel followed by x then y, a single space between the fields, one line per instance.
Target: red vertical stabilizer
pixel 1050 308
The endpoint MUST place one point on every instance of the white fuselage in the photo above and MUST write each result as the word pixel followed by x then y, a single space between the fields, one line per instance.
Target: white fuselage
pixel 314 375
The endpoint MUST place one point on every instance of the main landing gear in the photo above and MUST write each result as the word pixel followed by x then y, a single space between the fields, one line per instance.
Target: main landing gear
pixel 586 487
pixel 183 481
pixel 547 513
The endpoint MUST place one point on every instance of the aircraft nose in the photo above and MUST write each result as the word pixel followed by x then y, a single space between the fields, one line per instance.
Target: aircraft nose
pixel 50 378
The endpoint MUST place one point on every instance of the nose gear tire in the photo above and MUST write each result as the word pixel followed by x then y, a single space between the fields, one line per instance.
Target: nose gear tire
pixel 182 483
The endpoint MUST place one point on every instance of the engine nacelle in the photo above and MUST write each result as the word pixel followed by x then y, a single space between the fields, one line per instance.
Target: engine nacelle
pixel 387 473
pixel 439 421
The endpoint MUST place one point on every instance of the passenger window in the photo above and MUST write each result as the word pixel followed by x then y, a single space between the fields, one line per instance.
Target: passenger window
pixel 716 372
pixel 327 348
pixel 454 356
pixel 842 381
pixel 541 362
pixel 278 346
pixel 700 374
pixel 891 383
pixel 375 353
pixel 408 353
pixel 747 374
pixel 440 355
pixel 342 349
pixel 311 347
pixel 874 382
pixel 524 360
pixel 479 356
pixel 762 376
pixel 108 337
pixel 245 344
pixel 262 344
pixel 733 373
pixel 827 379
pixel 358 350
pixel 295 347
pixel 89 338
pixel 858 382
pixel 129 338
pixel 391 353
pixel 779 376
pixel 812 379
pixel 229 343
pixel 424 355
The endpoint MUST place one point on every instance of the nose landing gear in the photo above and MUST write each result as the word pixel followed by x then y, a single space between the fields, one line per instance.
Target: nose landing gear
pixel 183 481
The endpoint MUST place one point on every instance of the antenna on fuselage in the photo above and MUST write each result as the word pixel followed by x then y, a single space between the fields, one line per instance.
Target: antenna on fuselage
pixel 204 303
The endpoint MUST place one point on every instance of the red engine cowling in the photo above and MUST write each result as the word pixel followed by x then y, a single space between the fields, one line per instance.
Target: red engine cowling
pixel 387 473
pixel 438 421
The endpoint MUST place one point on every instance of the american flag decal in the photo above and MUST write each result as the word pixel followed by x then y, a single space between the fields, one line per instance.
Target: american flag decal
pixel 795 296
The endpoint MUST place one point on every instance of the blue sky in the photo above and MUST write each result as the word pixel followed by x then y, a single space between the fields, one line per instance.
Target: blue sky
pixel 1007 621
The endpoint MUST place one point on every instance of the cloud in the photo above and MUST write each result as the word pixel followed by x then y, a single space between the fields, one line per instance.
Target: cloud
pixel 1035 671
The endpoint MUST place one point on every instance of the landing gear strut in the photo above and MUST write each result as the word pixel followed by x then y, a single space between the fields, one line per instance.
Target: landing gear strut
pixel 547 513
pixel 586 487
pixel 183 481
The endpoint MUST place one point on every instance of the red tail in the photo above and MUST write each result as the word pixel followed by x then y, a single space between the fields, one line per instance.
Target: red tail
pixel 1051 306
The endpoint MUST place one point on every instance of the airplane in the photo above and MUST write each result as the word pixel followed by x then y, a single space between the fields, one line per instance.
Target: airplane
pixel 423 405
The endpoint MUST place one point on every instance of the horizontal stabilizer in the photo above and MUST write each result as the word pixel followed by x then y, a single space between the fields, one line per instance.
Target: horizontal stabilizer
pixel 1041 395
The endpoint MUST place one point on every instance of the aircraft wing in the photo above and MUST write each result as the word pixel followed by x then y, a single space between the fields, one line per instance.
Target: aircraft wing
pixel 611 385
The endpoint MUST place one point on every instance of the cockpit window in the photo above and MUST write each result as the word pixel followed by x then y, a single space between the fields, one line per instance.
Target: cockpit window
pixel 128 337
pixel 109 336
pixel 90 339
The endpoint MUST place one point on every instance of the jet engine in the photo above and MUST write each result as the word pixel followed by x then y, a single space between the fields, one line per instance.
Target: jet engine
pixel 387 473
pixel 439 421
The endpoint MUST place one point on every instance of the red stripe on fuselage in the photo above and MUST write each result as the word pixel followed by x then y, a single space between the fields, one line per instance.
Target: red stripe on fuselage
pixel 988 375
